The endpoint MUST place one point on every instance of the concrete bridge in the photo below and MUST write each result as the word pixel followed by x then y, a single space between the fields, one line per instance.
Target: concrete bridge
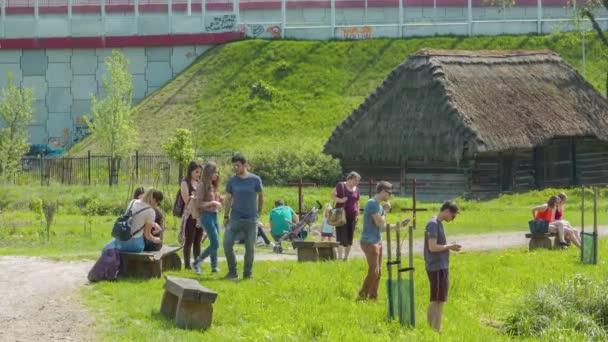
pixel 58 46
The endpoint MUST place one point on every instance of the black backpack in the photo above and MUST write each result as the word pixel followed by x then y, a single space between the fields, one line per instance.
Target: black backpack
pixel 122 227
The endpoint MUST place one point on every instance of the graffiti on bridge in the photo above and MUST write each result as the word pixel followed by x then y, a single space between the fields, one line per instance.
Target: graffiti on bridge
pixel 365 32
pixel 262 31
pixel 222 23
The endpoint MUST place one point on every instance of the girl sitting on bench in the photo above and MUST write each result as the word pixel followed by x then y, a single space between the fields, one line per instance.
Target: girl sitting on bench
pixel 547 212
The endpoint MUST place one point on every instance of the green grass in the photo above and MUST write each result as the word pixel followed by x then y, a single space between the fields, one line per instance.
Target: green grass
pixel 314 85
pixel 290 301
pixel 21 232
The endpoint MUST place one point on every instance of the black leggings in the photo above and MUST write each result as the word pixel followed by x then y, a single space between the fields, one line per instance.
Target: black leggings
pixel 345 233
pixel 193 240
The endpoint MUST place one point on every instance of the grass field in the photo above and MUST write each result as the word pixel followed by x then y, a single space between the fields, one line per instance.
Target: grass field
pixel 316 301
pixel 260 95
pixel 22 232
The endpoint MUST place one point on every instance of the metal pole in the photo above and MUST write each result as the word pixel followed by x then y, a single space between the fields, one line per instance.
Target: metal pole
pixel 37 17
pixel 235 10
pixel 136 15
pixel 170 15
pixel 389 268
pixel 3 16
pixel 594 225
pixel 103 16
pixel 203 13
pixel 539 16
pixel 470 17
pixel 283 17
pixel 89 166
pixel 401 18
pixel 300 196
pixel 137 166
pixel 189 8
pixel 41 170
pixel 582 220
pixel 365 13
pixel 333 18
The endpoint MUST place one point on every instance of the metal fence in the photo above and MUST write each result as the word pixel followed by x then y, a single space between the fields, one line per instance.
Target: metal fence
pixel 148 168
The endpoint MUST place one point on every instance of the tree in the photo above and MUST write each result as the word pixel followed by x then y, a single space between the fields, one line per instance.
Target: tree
pixel 16 111
pixel 588 11
pixel 112 122
pixel 179 148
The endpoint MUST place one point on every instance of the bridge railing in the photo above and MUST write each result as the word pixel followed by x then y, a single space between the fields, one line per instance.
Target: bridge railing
pixel 348 19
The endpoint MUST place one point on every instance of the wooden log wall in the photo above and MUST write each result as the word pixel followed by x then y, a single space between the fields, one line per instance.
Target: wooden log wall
pixel 436 181
pixel 591 162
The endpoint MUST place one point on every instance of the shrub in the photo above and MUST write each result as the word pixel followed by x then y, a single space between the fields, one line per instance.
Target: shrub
pixel 282 166
pixel 262 90
pixel 579 305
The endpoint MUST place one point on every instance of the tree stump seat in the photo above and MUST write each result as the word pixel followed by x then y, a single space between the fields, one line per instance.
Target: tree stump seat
pixel 150 264
pixel 315 250
pixel 541 240
pixel 188 302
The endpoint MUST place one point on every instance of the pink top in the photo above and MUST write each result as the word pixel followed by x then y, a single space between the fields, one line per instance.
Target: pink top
pixel 558 214
pixel 351 206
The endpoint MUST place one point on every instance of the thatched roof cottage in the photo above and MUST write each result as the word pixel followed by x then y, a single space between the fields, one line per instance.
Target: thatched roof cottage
pixel 478 123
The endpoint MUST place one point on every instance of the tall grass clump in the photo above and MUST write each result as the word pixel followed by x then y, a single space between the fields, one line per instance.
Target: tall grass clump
pixel 577 307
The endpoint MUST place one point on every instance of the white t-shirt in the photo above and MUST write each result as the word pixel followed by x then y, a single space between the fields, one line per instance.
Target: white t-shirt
pixel 138 221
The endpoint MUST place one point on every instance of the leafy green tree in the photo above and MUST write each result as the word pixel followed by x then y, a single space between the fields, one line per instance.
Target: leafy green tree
pixel 16 112
pixel 179 148
pixel 112 122
pixel 588 10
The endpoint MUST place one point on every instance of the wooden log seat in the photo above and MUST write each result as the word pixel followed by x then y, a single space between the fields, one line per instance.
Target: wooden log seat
pixel 150 264
pixel 188 302
pixel 541 240
pixel 315 250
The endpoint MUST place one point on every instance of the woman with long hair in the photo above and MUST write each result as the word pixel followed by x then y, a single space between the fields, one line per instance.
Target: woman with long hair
pixel 192 236
pixel 209 202
pixel 547 213
pixel 142 222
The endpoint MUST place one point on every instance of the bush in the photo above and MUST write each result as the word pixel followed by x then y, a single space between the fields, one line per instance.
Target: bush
pixel 282 166
pixel 262 90
pixel 579 305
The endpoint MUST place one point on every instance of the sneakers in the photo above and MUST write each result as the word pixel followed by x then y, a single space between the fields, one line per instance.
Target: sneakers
pixel 196 266
pixel 247 277
pixel 564 245
pixel 231 276
pixel 215 270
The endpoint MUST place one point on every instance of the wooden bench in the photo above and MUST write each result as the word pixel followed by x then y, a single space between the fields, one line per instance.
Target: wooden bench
pixel 188 302
pixel 150 264
pixel 542 241
pixel 315 250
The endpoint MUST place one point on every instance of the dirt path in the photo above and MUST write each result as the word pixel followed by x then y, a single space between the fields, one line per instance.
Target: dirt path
pixel 39 299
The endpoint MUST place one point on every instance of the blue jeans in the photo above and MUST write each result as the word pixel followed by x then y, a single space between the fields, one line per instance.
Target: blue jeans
pixel 133 245
pixel 209 221
pixel 244 229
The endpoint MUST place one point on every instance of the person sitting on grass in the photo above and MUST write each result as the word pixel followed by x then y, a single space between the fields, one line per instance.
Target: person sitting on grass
pixel 279 216
pixel 546 212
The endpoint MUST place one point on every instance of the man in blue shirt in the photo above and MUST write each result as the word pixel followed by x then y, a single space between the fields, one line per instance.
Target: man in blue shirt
pixel 374 219
pixel 437 261
pixel 241 215
pixel 279 217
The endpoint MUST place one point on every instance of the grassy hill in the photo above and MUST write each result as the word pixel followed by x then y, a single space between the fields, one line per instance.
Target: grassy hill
pixel 257 94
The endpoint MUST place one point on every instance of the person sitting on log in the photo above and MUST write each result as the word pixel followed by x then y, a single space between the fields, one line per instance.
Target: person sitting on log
pixel 546 212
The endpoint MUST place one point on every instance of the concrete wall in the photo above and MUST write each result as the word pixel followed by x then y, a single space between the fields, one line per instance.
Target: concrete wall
pixel 64 81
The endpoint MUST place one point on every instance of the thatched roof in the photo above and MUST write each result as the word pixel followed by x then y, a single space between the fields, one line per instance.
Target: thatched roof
pixel 447 105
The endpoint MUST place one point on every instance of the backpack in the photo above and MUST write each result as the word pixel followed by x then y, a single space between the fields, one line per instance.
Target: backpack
pixel 106 267
pixel 122 227
pixel 178 206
